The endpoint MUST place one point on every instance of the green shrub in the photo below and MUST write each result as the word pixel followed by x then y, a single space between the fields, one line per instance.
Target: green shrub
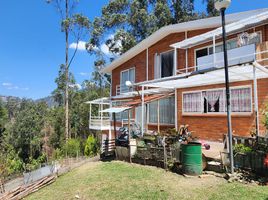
pixel 91 147
pixel 57 154
pixel 14 163
pixel 241 148
pixel 72 148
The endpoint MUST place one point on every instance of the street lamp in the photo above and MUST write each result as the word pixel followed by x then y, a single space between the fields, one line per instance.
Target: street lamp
pixel 222 5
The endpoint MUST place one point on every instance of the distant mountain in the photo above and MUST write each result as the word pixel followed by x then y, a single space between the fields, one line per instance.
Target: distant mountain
pixel 48 100
pixel 6 98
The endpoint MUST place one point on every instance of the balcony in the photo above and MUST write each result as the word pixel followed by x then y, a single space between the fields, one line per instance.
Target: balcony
pixel 99 123
pixel 121 89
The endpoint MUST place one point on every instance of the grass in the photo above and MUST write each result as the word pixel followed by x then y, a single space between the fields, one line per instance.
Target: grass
pixel 119 180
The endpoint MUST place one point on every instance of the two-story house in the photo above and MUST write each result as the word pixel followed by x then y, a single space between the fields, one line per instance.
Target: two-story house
pixel 177 78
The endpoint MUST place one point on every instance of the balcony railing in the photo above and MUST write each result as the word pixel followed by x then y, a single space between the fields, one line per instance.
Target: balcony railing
pixel 99 123
pixel 236 56
pixel 121 89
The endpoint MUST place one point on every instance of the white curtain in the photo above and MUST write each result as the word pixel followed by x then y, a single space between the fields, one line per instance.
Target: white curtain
pixel 212 98
pixel 166 111
pixel 157 72
pixel 192 102
pixel 241 100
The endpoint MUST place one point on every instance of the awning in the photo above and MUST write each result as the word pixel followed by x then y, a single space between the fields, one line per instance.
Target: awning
pixel 230 28
pixel 115 110
pixel 104 100
pixel 201 78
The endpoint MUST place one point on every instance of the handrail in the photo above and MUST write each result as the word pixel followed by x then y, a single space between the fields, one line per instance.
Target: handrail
pixel 184 70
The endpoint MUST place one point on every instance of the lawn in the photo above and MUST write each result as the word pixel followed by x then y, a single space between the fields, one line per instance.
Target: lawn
pixel 119 180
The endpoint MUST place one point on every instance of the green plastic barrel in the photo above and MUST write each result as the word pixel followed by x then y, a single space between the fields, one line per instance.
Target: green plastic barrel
pixel 191 158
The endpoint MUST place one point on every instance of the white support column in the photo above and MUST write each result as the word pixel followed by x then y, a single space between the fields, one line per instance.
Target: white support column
pixel 101 114
pixel 176 110
pixel 256 106
pixel 175 62
pixel 147 65
pixel 186 53
pixel 214 50
pixel 142 110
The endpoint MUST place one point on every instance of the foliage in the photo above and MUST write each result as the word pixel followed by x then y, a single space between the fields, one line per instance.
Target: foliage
pixel 241 148
pixel 57 154
pixel 91 147
pixel 72 148
pixel 14 164
pixel 265 115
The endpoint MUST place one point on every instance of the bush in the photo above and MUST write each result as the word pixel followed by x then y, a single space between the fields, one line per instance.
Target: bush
pixel 57 154
pixel 14 163
pixel 72 148
pixel 91 147
pixel 241 148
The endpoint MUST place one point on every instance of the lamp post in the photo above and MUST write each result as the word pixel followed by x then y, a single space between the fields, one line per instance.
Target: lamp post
pixel 222 5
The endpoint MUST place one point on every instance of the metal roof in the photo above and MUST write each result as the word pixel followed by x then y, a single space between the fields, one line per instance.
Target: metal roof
pixel 211 22
pixel 104 100
pixel 230 28
pixel 236 74
pixel 115 110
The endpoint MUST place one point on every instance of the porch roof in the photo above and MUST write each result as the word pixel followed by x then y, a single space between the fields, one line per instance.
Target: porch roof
pixel 211 76
pixel 104 100
pixel 115 110
pixel 230 28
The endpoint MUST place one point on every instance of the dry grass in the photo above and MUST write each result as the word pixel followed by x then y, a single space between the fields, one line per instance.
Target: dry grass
pixel 119 180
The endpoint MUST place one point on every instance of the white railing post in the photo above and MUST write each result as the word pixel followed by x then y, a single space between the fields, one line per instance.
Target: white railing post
pixel 89 115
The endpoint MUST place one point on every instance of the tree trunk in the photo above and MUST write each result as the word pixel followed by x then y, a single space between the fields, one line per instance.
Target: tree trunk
pixel 66 73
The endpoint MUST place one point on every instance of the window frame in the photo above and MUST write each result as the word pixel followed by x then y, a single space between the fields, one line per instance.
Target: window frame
pixel 218 113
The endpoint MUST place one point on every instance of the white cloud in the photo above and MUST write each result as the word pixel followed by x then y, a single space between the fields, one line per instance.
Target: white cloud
pixel 11 86
pixel 81 45
pixel 105 49
pixel 7 84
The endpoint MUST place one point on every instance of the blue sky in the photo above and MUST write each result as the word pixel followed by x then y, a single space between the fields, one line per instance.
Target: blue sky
pixel 32 46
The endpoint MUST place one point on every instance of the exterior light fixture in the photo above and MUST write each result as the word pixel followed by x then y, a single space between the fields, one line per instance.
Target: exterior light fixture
pixel 128 83
pixel 222 5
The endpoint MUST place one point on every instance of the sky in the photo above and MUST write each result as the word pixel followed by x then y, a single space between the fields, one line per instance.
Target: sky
pixel 32 45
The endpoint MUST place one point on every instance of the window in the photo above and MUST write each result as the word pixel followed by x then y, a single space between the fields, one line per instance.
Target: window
pixel 126 75
pixel 167 64
pixel 166 111
pixel 164 64
pixel 213 101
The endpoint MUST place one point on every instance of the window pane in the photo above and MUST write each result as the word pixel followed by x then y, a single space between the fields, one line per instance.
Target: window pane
pixel 132 75
pixel 166 111
pixel 201 53
pixel 214 101
pixel 167 64
pixel 192 102
pixel 241 100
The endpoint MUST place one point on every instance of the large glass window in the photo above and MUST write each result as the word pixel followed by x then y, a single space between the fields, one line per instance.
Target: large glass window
pixel 166 111
pixel 126 75
pixel 213 101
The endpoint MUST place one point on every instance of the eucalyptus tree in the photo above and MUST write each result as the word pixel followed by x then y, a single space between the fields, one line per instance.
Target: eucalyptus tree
pixel 77 25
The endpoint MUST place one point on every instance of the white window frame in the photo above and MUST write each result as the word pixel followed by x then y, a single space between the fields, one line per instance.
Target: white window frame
pixel 128 74
pixel 220 43
pixel 218 113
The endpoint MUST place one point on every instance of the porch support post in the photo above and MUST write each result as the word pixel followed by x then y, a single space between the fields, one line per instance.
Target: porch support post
pixel 142 109
pixel 175 61
pixel 147 65
pixel 129 136
pixel 256 106
pixel 101 114
pixel 214 51
pixel 176 109
pixel 114 118
pixel 158 117
pixel 186 53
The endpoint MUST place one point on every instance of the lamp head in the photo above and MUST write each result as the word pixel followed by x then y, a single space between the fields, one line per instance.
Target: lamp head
pixel 128 83
pixel 222 4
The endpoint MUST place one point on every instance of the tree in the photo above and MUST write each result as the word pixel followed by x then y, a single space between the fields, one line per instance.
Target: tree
pixel 78 25
pixel 210 8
